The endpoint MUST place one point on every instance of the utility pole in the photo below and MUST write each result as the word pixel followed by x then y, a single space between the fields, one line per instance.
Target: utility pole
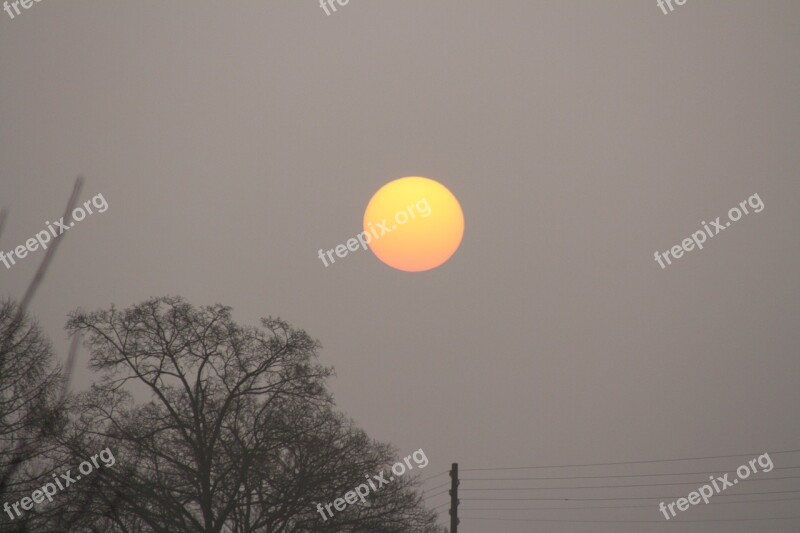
pixel 454 498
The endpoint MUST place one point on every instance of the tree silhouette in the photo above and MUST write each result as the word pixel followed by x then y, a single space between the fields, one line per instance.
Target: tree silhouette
pixel 29 408
pixel 33 392
pixel 239 433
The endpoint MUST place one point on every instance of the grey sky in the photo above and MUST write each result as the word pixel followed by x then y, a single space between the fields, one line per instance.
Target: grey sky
pixel 233 140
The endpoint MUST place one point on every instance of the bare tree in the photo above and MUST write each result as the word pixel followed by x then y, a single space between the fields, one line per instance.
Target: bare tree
pixel 239 434
pixel 33 391
pixel 30 400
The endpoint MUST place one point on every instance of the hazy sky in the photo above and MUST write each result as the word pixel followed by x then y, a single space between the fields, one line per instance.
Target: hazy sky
pixel 233 140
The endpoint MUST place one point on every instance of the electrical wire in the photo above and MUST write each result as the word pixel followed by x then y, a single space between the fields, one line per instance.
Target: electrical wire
pixel 552 478
pixel 443 492
pixel 647 506
pixel 434 488
pixel 627 486
pixel 631 521
pixel 433 476
pixel 626 498
pixel 629 462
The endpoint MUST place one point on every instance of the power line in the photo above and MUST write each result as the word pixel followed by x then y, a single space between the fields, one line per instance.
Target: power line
pixel 553 478
pixel 633 485
pixel 444 485
pixel 440 505
pixel 627 498
pixel 583 507
pixel 442 492
pixel 635 521
pixel 629 462
pixel 432 477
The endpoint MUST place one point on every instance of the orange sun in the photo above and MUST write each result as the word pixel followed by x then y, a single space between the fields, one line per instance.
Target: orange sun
pixel 416 224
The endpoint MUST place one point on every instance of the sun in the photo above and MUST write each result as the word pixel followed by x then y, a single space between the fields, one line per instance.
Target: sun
pixel 416 224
